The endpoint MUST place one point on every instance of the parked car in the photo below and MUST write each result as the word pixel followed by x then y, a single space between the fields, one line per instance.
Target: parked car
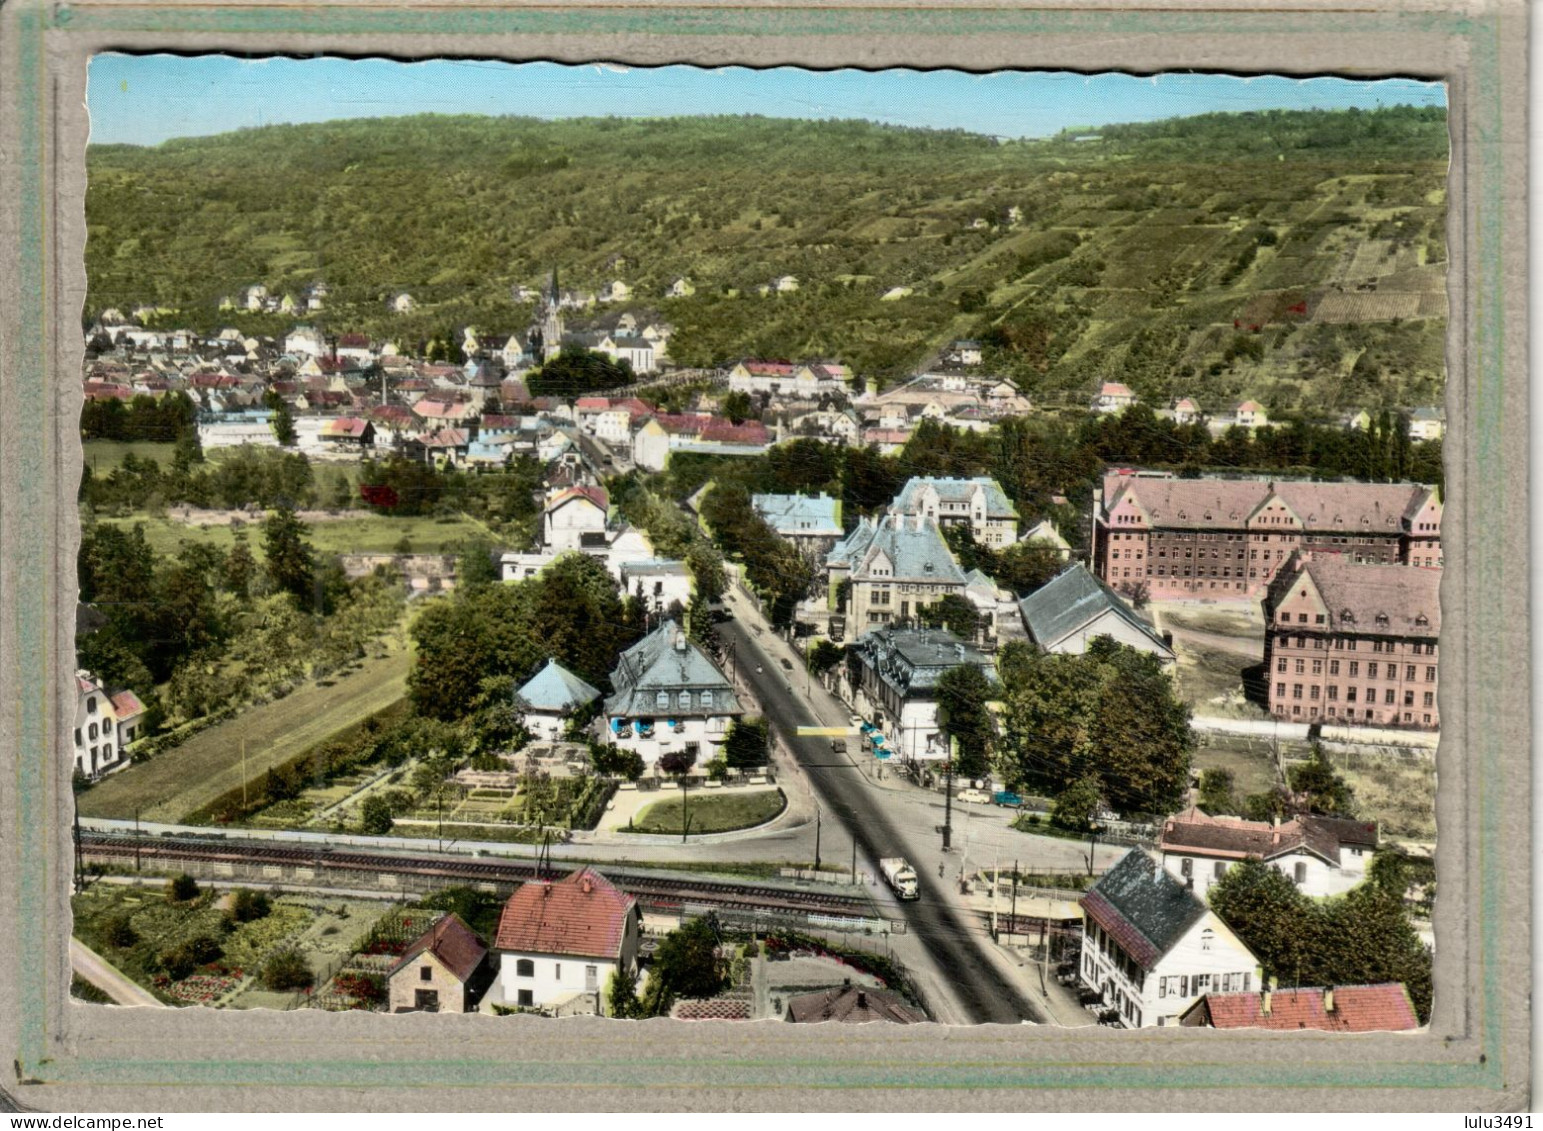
pixel 856 721
pixel 974 796
pixel 787 664
pixel 1008 798
pixel 838 746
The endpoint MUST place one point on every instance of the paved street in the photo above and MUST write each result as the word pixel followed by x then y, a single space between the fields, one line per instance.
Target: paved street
pixel 983 989
pixel 100 973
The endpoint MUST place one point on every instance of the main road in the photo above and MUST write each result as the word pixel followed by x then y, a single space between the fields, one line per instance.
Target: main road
pixel 953 941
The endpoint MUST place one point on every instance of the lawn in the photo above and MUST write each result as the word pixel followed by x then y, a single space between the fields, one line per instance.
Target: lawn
pixel 183 780
pixel 712 812
pixel 356 534
pixel 104 455
pixel 1251 760
pixel 1400 796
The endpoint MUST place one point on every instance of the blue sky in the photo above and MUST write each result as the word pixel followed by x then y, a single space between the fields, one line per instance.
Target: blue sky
pixel 146 99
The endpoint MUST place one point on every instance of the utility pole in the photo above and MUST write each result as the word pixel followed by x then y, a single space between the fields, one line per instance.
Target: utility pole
pixel 948 796
pixel 243 780
pixel 996 879
pixel 136 838
pixel 1012 916
pixel 816 836
pixel 1092 845
pixel 854 860
pixel 439 815
pixel 685 819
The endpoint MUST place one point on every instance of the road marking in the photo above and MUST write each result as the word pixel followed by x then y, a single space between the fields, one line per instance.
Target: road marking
pixel 823 732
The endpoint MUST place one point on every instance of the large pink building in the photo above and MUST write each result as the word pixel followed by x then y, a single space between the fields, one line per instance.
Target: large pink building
pixel 1352 642
pixel 1226 539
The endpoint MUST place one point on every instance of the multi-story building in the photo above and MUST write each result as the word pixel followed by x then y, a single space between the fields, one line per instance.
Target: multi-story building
pixel 669 697
pixel 1152 948
pixel 1321 855
pixel 105 724
pixel 811 523
pixel 1353 642
pixel 978 503
pixel 894 677
pixel 1225 539
pixel 895 564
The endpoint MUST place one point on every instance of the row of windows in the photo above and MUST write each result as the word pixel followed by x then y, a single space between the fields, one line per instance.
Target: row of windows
pixel 1351 644
pixel 1193 985
pixel 1372 668
pixel 1389 695
pixel 663 700
pixel 1350 716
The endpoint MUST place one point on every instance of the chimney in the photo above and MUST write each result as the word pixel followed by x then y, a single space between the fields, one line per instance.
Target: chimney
pixel 1328 999
pixel 586 885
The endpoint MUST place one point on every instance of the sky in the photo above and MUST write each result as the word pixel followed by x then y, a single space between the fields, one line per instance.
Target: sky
pixel 144 100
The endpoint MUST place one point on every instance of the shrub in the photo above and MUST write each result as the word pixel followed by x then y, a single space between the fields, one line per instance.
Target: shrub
pixel 247 905
pixel 613 761
pixel 287 970
pixel 121 933
pixel 375 816
pixel 181 889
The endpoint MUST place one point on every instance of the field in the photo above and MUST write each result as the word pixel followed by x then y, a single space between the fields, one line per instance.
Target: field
pixel 104 455
pixel 323 932
pixel 1401 796
pixel 712 812
pixel 1214 647
pixel 183 780
pixel 365 533
pixel 1251 760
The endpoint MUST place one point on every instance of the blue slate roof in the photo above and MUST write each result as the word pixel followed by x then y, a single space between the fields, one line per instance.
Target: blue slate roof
pixel 956 490
pixel 917 552
pixel 555 688
pixel 666 663
pixel 799 514
pixel 1071 599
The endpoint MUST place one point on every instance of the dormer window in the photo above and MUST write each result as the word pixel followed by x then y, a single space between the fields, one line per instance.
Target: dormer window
pixel 1382 620
pixel 662 700
pixel 1422 620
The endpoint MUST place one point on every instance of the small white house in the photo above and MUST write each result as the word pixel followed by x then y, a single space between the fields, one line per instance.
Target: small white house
pixel 1074 608
pixel 1152 948
pixel 1250 414
pixel 657 582
pixel 559 943
pixel 1113 396
pixel 104 725
pixel 575 519
pixel 1322 855
pixel 550 698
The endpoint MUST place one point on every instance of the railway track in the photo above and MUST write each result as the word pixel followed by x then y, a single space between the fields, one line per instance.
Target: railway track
pixel 662 893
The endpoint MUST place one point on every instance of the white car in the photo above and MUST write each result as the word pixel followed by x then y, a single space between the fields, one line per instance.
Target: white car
pixel 856 721
pixel 975 796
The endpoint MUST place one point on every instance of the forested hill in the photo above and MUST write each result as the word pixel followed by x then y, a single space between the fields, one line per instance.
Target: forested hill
pixel 1057 252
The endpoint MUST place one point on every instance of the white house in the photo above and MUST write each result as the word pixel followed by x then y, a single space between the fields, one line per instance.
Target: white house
pixel 636 352
pixel 894 677
pixel 550 698
pixel 559 943
pixel 657 582
pixel 1428 423
pixel 1185 411
pixel 515 566
pixel 1074 608
pixel 575 519
pixel 669 697
pixel 811 523
pixel 1113 396
pixel 1321 855
pixel 305 341
pixel 104 725
pixel 1250 414
pixel 681 288
pixel 1152 948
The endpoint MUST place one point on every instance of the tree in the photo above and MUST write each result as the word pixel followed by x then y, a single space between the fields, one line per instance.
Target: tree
pixel 1111 712
pixel 738 407
pixel 824 656
pixel 963 692
pixel 746 744
pixel 676 763
pixel 287 971
pixel 952 612
pixel 283 419
pixel 247 905
pixel 120 932
pixel 613 761
pixel 622 993
pixel 291 562
pixel 375 816
pixel 181 888
pixel 1318 789
pixel 687 964
pixel 1271 917
pixel 1077 806
pixel 475 563
pixel 1216 794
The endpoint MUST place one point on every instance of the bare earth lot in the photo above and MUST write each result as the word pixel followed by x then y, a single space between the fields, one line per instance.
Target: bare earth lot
pixel 182 780
pixel 1214 645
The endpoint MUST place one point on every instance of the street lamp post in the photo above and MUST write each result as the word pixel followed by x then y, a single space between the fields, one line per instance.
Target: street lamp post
pixel 685 817
pixel 816 836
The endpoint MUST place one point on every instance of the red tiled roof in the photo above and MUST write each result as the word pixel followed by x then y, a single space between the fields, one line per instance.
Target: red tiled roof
pixel 126 705
pixel 452 942
pixel 853 1005
pixel 1357 1009
pixel 583 915
pixel 392 414
pixel 351 427
pixel 727 432
pixel 712 1009
pixel 1115 389
pixel 353 341
pixel 769 368
pixel 498 423
pixel 1197 832
pixel 1409 599
pixel 434 409
pixel 445 438
pixel 596 495
pixel 591 404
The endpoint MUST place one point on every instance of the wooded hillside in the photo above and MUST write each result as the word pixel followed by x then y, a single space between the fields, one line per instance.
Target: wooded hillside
pixel 1144 253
